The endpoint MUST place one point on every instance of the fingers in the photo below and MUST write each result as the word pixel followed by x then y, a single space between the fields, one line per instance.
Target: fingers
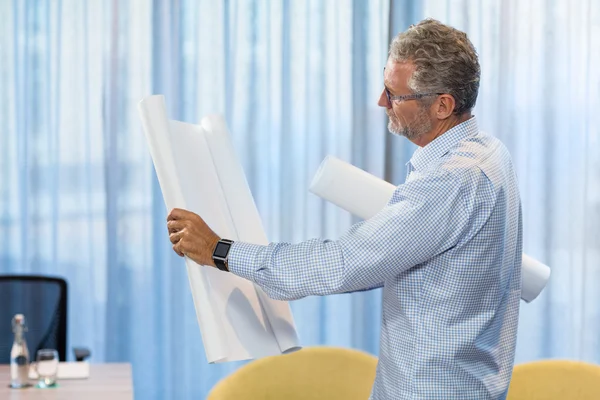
pixel 176 225
pixel 182 246
pixel 188 232
pixel 178 213
pixel 177 249
pixel 176 236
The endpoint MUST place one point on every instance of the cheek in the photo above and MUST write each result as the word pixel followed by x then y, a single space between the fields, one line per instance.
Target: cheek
pixel 405 113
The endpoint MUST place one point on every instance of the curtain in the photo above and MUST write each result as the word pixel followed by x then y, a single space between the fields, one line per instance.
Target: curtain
pixel 296 80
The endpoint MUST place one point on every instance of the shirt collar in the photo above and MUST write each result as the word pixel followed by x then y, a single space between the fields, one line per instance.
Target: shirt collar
pixel 424 156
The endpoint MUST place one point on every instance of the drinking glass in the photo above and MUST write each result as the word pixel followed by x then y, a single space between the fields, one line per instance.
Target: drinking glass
pixel 47 367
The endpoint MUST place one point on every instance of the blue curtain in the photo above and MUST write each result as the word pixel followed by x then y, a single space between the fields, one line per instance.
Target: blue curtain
pixel 296 80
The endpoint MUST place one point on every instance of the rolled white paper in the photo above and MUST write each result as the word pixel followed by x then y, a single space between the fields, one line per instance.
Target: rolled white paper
pixel 157 129
pixel 364 195
pixel 351 188
pixel 534 277
pixel 197 170
pixel 248 225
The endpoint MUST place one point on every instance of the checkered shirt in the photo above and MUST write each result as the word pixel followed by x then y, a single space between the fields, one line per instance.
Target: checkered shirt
pixel 447 251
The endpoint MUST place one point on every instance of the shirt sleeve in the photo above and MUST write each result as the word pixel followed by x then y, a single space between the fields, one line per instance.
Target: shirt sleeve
pixel 377 286
pixel 424 218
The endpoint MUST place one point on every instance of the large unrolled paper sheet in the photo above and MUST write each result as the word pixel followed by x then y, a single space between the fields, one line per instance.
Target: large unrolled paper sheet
pixel 364 195
pixel 198 170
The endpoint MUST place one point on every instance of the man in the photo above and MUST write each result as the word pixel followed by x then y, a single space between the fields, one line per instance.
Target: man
pixel 446 249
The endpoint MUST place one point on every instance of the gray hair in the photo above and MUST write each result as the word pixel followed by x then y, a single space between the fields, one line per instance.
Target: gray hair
pixel 445 60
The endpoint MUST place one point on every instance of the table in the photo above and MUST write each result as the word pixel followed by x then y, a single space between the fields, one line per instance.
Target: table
pixel 106 381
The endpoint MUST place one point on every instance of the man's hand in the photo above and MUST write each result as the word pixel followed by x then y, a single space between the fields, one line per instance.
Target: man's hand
pixel 191 236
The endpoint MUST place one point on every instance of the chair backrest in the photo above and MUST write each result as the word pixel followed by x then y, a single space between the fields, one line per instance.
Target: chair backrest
pixel 555 380
pixel 43 302
pixel 310 373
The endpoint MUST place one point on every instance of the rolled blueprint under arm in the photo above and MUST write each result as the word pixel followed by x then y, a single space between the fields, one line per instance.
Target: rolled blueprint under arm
pixel 364 195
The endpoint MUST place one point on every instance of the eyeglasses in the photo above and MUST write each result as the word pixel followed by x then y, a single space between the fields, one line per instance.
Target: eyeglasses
pixel 406 97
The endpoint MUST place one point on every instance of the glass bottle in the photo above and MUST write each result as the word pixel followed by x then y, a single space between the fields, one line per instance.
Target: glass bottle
pixel 19 355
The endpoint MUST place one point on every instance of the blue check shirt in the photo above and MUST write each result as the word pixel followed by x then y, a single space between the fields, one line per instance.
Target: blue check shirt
pixel 447 251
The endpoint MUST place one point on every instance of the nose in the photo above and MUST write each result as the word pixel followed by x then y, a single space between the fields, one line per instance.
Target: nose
pixel 383 101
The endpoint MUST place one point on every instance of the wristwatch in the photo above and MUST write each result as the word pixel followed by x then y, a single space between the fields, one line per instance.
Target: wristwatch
pixel 221 253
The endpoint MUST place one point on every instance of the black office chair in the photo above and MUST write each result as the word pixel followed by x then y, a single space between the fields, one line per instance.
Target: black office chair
pixel 43 302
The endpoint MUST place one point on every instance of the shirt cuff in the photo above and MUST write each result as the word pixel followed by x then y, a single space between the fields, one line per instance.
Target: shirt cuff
pixel 242 257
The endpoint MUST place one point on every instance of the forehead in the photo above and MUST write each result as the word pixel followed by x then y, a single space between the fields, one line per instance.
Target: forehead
pixel 397 74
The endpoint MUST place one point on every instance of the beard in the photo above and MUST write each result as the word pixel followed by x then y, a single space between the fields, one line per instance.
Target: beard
pixel 418 127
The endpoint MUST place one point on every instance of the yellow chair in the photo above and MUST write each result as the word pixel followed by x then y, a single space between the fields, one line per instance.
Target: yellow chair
pixel 555 380
pixel 308 374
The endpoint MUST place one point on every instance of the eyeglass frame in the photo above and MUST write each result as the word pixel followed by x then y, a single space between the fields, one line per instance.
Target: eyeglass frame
pixel 405 97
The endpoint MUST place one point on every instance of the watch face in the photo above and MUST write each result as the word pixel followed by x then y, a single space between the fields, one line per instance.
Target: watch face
pixel 221 250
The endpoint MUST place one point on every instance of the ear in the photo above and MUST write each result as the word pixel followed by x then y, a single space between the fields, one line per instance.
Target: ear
pixel 444 106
